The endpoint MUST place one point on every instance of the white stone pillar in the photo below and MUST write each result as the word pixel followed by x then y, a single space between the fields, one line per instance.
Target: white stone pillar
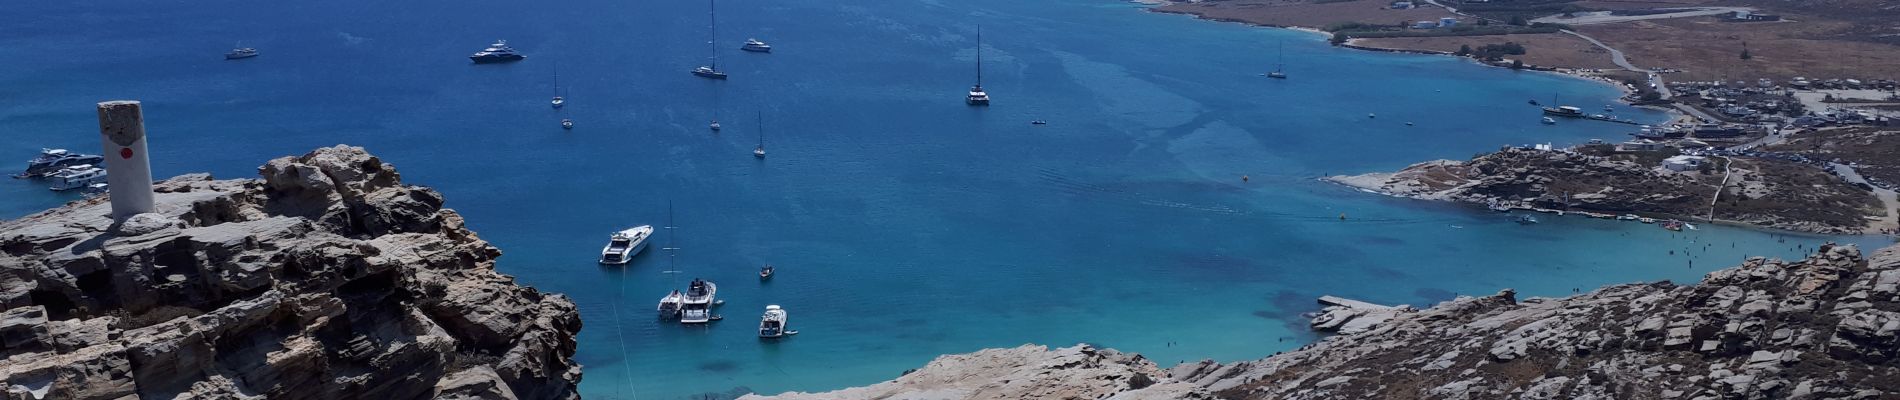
pixel 128 170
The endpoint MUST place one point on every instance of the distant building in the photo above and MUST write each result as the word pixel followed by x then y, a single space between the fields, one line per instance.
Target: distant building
pixel 1746 16
pixel 1401 5
pixel 1425 25
pixel 1447 22
pixel 1640 145
pixel 1683 163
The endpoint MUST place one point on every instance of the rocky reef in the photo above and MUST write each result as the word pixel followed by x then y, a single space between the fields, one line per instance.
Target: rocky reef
pixel 327 278
pixel 1768 193
pixel 1824 327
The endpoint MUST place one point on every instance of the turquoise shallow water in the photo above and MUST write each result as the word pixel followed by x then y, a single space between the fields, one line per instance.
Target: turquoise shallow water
pixel 905 224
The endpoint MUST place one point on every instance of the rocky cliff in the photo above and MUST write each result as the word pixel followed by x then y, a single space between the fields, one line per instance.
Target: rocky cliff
pixel 1769 193
pixel 1824 327
pixel 325 279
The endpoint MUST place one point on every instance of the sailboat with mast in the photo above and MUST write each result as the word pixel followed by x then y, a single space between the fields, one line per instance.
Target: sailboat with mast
pixel 671 303
pixel 559 100
pixel 759 152
pixel 711 70
pixel 977 96
pixel 1279 71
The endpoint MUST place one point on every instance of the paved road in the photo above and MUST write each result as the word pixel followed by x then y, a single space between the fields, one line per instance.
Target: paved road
pixel 1604 17
pixel 1888 198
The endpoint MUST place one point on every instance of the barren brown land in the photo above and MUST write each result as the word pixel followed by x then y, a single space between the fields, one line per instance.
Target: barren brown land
pixel 1812 38
pixel 1708 48
pixel 1305 14
pixel 1543 49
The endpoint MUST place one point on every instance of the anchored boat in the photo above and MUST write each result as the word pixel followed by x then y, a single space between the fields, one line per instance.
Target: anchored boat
pixel 53 160
pixel 772 324
pixel 623 245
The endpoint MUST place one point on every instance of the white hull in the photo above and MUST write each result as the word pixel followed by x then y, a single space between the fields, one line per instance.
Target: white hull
pixel 636 241
pixel 772 325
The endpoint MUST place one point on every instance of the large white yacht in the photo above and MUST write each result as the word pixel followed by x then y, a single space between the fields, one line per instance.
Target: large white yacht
pixel 625 244
pixel 76 177
pixel 696 306
pixel 772 325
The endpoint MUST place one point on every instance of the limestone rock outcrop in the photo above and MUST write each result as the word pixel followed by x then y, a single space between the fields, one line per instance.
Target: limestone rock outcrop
pixel 327 278
pixel 1027 372
pixel 1824 327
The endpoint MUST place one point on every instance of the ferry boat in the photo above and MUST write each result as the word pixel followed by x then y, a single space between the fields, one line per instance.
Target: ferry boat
pixel 696 306
pixel 496 53
pixel 52 160
pixel 623 245
pixel 240 53
pixel 76 177
pixel 1564 111
pixel 977 96
pixel 756 46
pixel 772 324
pixel 670 305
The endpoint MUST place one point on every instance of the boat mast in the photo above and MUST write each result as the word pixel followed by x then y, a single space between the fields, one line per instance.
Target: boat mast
pixel 671 250
pixel 1282 50
pixel 712 39
pixel 979 56
pixel 761 129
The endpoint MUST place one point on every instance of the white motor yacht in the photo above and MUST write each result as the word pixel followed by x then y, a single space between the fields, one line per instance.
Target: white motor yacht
pixel 670 305
pixel 772 325
pixel 76 177
pixel 625 244
pixel 696 306
pixel 756 46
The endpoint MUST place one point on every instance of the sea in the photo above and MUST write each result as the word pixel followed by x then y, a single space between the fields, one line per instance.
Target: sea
pixel 1170 206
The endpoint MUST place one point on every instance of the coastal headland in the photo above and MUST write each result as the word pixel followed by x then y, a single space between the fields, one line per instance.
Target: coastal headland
pixel 324 278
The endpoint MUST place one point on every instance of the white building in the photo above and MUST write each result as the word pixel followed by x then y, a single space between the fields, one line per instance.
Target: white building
pixel 1683 163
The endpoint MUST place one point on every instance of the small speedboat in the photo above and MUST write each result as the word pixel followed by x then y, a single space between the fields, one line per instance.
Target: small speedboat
pixel 1549 121
pixel 756 46
pixel 623 245
pixel 714 125
pixel 1039 122
pixel 772 324
pixel 241 53
pixel 558 102
pixel 765 272
pixel 567 123
pixel 1276 75
pixel 1371 115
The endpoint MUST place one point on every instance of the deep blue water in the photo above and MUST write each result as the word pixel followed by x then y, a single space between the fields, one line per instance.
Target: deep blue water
pixel 904 223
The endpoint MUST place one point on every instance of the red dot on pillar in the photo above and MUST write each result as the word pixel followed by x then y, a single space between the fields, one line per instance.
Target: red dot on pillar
pixel 125 153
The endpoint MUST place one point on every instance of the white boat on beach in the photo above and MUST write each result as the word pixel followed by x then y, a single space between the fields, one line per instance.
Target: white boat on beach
pixel 623 245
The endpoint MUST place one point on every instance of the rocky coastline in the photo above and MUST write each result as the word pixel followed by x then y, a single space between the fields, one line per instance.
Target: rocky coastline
pixel 1755 193
pixel 326 278
pixel 1827 326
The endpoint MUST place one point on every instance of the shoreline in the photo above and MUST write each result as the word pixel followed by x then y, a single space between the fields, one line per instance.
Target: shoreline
pixel 1675 116
pixel 1373 182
